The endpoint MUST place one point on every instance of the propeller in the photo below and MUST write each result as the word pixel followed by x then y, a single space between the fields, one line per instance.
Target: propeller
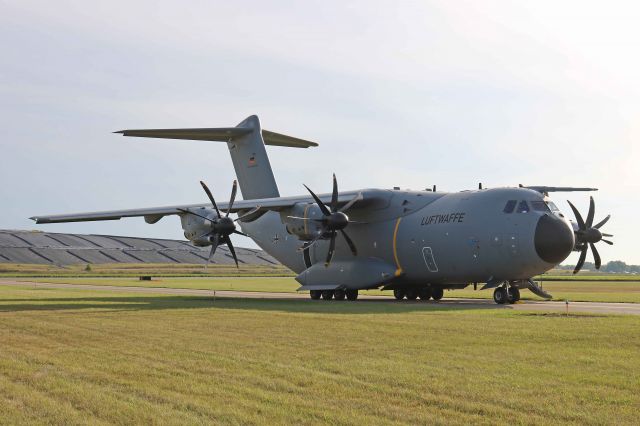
pixel 333 220
pixel 222 226
pixel 588 234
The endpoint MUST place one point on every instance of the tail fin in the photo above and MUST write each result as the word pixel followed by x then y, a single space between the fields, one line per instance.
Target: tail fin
pixel 246 144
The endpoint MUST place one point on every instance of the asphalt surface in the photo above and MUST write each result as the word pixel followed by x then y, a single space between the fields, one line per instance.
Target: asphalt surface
pixel 542 306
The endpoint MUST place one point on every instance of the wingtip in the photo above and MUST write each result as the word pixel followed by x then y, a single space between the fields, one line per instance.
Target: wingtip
pixel 120 131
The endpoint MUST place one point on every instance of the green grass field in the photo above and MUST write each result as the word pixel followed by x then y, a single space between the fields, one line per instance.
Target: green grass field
pixel 71 356
pixel 587 291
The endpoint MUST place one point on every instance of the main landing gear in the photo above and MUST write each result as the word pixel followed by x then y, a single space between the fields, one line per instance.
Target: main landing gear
pixel 502 295
pixel 338 294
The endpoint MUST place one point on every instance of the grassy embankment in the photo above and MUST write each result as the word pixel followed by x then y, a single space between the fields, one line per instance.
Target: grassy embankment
pixel 70 356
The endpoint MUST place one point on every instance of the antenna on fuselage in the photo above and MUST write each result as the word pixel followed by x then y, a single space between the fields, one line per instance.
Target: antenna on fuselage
pixel 480 185
pixel 434 188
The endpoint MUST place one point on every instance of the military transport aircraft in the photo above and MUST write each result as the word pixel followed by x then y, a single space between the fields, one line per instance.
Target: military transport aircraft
pixel 417 243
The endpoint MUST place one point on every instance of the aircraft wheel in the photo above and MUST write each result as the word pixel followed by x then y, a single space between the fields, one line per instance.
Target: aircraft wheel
pixel 315 294
pixel 352 294
pixel 424 293
pixel 437 293
pixel 500 295
pixel 412 294
pixel 398 293
pixel 513 294
pixel 339 294
pixel 327 294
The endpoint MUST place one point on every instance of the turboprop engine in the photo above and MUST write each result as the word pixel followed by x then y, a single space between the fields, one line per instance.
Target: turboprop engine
pixel 305 230
pixel 206 226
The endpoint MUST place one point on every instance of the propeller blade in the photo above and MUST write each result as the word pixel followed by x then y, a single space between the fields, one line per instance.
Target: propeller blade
pixel 195 214
pixel 232 250
pixel 304 218
pixel 608 242
pixel 214 246
pixel 351 202
pixel 606 235
pixel 583 256
pixel 602 222
pixel 213 202
pixel 325 211
pixel 332 246
pixel 253 211
pixel 334 195
pixel 234 189
pixel 350 243
pixel 578 216
pixel 596 255
pixel 591 213
pixel 240 233
pixel 308 244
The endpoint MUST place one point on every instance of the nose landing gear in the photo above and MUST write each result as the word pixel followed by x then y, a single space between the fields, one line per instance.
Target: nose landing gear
pixel 506 294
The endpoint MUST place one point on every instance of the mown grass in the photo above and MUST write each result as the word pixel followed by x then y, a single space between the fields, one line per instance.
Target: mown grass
pixel 72 356
pixel 585 291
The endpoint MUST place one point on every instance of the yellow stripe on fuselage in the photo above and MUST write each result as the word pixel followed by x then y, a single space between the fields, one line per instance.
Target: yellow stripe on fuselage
pixel 395 248
pixel 304 215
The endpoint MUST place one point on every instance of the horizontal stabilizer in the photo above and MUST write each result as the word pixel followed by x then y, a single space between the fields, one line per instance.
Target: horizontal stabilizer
pixel 220 134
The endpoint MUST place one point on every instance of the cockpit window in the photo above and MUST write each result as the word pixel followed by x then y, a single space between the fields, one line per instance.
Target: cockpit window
pixel 511 204
pixel 539 206
pixel 552 206
pixel 523 207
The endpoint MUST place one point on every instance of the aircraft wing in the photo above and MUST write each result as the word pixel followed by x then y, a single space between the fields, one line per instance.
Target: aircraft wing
pixel 546 189
pixel 154 214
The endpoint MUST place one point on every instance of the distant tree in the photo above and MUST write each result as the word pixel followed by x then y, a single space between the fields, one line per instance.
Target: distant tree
pixel 616 267
pixel 88 267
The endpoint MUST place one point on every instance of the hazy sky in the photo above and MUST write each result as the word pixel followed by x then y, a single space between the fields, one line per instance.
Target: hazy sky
pixel 403 94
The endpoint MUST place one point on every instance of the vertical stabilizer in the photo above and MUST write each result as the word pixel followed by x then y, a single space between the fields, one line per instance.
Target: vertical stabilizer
pixel 251 162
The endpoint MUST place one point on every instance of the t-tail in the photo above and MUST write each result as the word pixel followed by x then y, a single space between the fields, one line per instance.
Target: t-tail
pixel 246 143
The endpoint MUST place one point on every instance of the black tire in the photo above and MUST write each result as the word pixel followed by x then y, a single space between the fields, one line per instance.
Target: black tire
pixel 514 295
pixel 352 294
pixel 315 294
pixel 437 293
pixel 399 293
pixel 339 294
pixel 327 294
pixel 424 293
pixel 412 294
pixel 500 295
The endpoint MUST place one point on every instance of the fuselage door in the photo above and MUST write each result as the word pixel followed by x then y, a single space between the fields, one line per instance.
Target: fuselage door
pixel 427 254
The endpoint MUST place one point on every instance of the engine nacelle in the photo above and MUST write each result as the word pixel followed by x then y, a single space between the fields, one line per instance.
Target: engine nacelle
pixel 305 230
pixel 196 227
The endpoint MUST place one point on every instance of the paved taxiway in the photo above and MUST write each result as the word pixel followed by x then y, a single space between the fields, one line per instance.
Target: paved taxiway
pixel 543 306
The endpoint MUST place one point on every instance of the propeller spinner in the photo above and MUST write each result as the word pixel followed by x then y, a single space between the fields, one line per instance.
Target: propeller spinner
pixel 588 234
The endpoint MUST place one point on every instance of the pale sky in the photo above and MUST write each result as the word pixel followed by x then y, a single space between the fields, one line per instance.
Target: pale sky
pixel 405 94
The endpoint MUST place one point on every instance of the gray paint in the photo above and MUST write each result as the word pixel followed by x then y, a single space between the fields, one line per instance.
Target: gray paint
pixel 404 238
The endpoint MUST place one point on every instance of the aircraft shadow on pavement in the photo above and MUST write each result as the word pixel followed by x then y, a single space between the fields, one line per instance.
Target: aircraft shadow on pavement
pixel 142 303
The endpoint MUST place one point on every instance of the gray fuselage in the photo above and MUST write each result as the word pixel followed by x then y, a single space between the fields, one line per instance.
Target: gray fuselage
pixel 436 238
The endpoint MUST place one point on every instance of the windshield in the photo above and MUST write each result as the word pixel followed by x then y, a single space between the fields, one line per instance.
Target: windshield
pixel 539 206
pixel 552 206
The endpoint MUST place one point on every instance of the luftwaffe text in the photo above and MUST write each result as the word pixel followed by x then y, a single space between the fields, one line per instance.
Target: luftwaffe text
pixel 443 218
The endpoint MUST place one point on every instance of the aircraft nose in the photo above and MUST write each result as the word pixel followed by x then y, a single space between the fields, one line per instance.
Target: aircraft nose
pixel 554 239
